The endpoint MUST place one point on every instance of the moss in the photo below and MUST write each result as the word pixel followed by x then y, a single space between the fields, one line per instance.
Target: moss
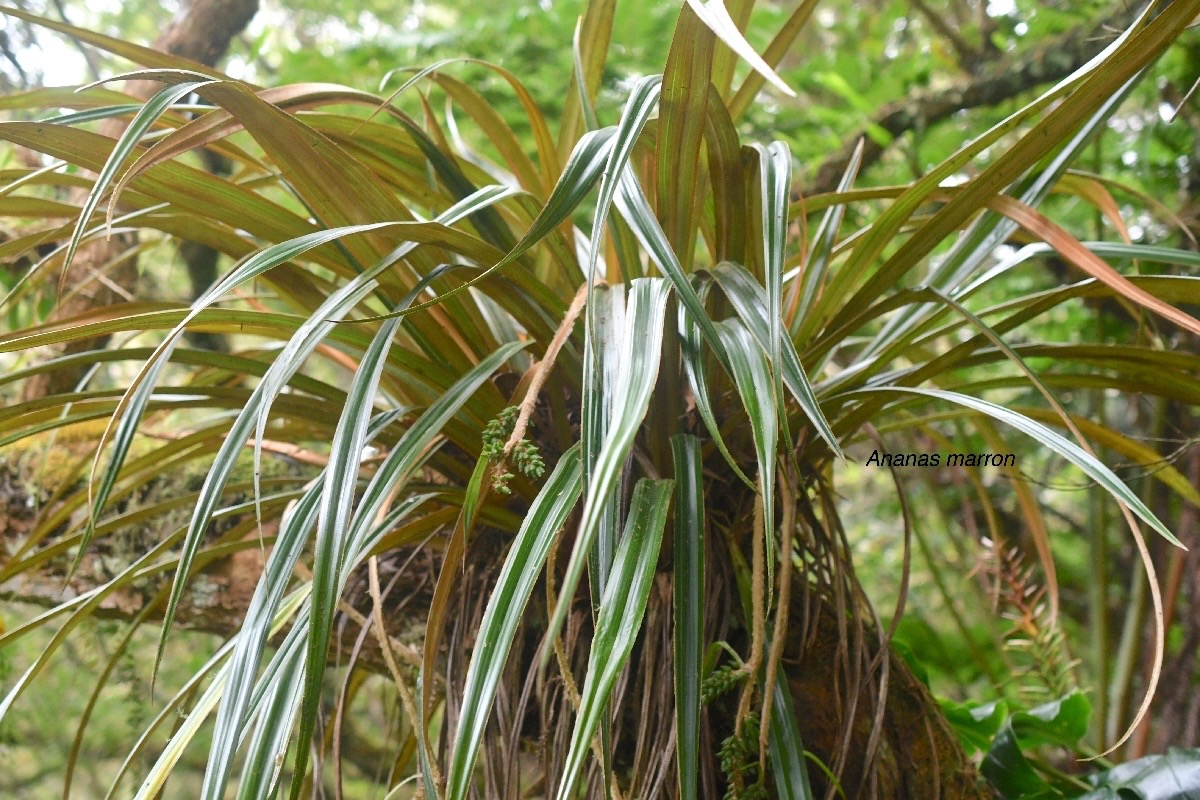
pixel 39 468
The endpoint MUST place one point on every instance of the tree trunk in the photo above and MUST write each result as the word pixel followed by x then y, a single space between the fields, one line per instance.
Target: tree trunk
pixel 915 755
pixel 105 271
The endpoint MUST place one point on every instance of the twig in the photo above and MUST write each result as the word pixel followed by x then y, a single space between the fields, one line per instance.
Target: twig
pixel 779 634
pixel 541 370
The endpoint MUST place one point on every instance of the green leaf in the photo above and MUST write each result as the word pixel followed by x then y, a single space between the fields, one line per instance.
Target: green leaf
pixel 979 241
pixel 787 750
pixel 775 182
pixel 694 367
pixel 715 16
pixel 1043 435
pixel 753 378
pixel 521 570
pixel 619 620
pixel 1061 722
pixel 641 349
pixel 1174 775
pixel 975 724
pixel 750 301
pixel 345 530
pixel 605 324
pixel 689 599
pixel 275 716
pixel 198 714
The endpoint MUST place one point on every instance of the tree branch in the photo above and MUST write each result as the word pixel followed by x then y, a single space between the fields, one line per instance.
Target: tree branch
pixel 1002 80
pixel 968 55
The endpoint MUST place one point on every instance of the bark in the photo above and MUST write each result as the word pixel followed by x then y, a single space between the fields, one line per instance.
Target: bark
pixel 105 271
pixel 918 756
pixel 996 82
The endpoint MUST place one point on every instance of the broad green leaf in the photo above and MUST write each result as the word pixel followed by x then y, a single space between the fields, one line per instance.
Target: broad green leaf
pixel 1174 775
pixel 1060 722
pixel 775 181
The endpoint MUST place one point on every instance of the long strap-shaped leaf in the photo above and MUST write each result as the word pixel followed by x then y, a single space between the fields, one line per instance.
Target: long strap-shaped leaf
pixel 636 209
pixel 141 123
pixel 133 405
pixel 689 609
pixel 820 254
pixel 697 374
pixel 1098 80
pixel 641 350
pixel 716 16
pixel 1040 433
pixel 197 715
pixel 980 239
pixel 749 300
pixel 787 750
pixel 304 341
pixel 752 376
pixel 147 116
pixel 342 529
pixel 587 162
pixel 251 639
pixel 275 701
pixel 603 326
pixel 322 321
pixel 619 620
pixel 276 716
pixel 642 101
pixel 602 346
pixel 521 570
pixel 775 178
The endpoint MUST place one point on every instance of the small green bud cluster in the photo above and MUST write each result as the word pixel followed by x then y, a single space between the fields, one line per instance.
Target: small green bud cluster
pixel 525 456
pixel 720 681
pixel 496 433
pixel 739 758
